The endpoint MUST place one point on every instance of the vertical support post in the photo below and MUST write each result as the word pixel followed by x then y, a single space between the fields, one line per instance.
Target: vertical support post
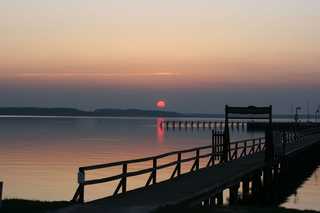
pixel 234 194
pixel 276 172
pixel 124 178
pixel 284 166
pixel 154 180
pixel 284 143
pixel 197 159
pixel 259 146
pixel 221 144
pixel 1 189
pixel 206 202
pixel 253 148
pixel 226 136
pixel 212 201
pixel 213 151
pixel 179 164
pixel 220 198
pixel 245 148
pixel 267 183
pixel 269 153
pixel 81 181
pixel 256 183
pixel 245 189
pixel 236 151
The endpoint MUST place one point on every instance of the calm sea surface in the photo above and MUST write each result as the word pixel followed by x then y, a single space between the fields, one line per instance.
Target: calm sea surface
pixel 40 156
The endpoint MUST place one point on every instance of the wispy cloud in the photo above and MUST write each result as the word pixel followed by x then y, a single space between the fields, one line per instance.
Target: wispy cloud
pixel 91 74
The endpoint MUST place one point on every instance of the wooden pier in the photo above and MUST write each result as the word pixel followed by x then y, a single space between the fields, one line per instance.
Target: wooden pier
pixel 220 124
pixel 216 124
pixel 251 166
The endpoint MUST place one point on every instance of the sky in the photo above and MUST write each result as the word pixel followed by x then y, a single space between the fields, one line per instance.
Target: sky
pixel 196 55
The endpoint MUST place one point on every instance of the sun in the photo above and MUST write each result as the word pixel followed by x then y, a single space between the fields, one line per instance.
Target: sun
pixel 161 104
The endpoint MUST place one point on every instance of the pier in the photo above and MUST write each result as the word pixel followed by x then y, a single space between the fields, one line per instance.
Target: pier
pixel 200 124
pixel 238 124
pixel 251 166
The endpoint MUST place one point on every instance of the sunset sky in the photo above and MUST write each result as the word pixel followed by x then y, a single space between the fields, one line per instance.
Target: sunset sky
pixel 197 55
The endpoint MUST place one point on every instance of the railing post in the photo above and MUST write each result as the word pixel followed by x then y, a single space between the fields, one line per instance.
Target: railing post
pixel 236 151
pixel 253 146
pixel 197 159
pixel 269 146
pixel 226 138
pixel 179 164
pixel 259 146
pixel 284 142
pixel 81 181
pixel 245 148
pixel 124 178
pixel 213 148
pixel 1 188
pixel 154 180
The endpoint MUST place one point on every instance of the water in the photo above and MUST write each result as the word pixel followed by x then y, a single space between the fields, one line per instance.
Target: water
pixel 40 156
pixel 307 196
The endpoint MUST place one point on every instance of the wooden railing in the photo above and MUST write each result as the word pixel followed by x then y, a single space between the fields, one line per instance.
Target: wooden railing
pixel 211 152
pixel 292 136
pixel 244 148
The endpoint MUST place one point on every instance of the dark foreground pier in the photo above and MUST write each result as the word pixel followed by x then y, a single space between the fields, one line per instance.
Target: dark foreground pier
pixel 251 166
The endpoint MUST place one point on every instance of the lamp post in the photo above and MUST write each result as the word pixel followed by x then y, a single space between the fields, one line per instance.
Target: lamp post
pixel 317 114
pixel 296 116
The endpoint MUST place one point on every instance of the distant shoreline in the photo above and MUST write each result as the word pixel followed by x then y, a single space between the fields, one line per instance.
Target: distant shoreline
pixel 108 112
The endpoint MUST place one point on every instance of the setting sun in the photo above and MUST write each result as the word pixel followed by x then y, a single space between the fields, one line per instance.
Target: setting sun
pixel 161 104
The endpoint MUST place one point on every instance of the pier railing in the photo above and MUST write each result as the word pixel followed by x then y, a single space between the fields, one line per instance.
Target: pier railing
pixel 212 152
pixel 244 148
pixel 292 136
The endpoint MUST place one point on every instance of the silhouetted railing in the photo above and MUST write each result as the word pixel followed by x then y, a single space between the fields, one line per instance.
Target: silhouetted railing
pixel 211 152
pixel 284 138
pixel 244 148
